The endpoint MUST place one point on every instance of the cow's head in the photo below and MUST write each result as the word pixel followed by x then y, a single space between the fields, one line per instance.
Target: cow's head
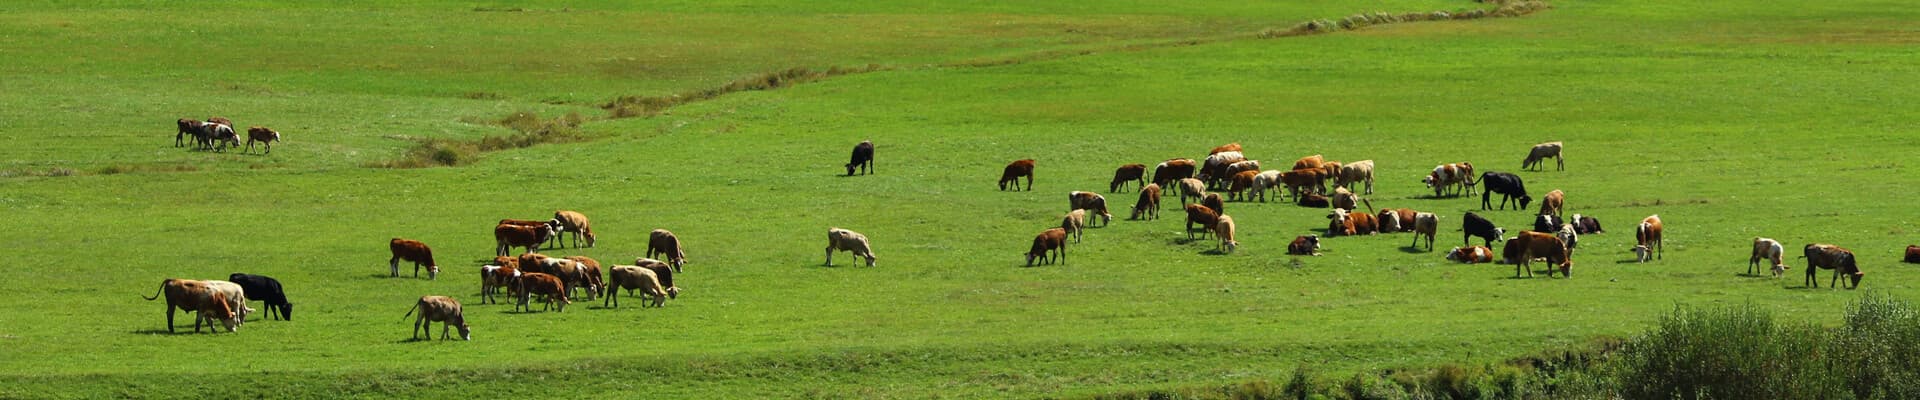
pixel 1566 268
pixel 1455 254
pixel 1642 252
pixel 1524 201
pixel 433 272
pixel 1856 279
pixel 870 258
pixel 286 311
pixel 673 292
pixel 850 168
pixel 466 332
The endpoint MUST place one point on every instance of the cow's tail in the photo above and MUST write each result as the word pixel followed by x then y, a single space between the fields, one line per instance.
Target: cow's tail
pixel 416 306
pixel 1369 203
pixel 156 294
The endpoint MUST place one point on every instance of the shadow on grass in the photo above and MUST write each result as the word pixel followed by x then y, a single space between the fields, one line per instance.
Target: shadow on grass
pixel 1414 250
pixel 187 331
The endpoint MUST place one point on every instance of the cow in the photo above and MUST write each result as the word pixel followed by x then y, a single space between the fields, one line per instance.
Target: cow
pixel 493 277
pixel 1197 213
pixel 1235 146
pixel 1238 167
pixel 506 237
pixel 1343 223
pixel 1355 172
pixel 1770 250
pixel 1585 225
pixel 442 309
pixel 552 240
pixel 1425 224
pixel 1537 156
pixel 565 221
pixel 1538 245
pixel 1396 219
pixel 1214 170
pixel 1241 181
pixel 1090 201
pixel 1508 185
pixel 1344 199
pixel 1475 225
pixel 1213 201
pixel 1568 235
pixel 411 250
pixel 532 262
pixel 1648 237
pixel 1546 223
pixel 264 135
pixel 1826 256
pixel 1014 171
pixel 591 268
pixel 1309 162
pixel 187 127
pixel 1171 171
pixel 1194 188
pixel 849 241
pixel 196 297
pixel 1308 245
pixel 1553 203
pixel 1314 200
pixel 1149 203
pixel 1074 223
pixel 1471 254
pixel 1263 182
pixel 1223 229
pixel 1913 254
pixel 1127 173
pixel 1456 176
pixel 571 275
pixel 267 290
pixel 667 245
pixel 549 287
pixel 862 158
pixel 236 299
pixel 1304 180
pixel 661 271
pixel 1048 245
pixel 217 136
pixel 631 277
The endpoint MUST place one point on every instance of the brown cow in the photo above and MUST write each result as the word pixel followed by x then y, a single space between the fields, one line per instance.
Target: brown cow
pixel 1090 201
pixel 442 309
pixel 1048 245
pixel 411 250
pixel 661 271
pixel 552 240
pixel 1308 245
pixel 532 262
pixel 1127 173
pixel 1532 245
pixel 261 134
pixel 1314 162
pixel 1149 203
pixel 1213 201
pixel 1913 254
pixel 1304 180
pixel 1241 182
pixel 1554 202
pixel 548 286
pixel 196 297
pixel 591 268
pixel 1826 256
pixel 631 277
pixel 1648 236
pixel 572 221
pixel 493 277
pixel 506 237
pixel 1171 171
pixel 1235 146
pixel 187 126
pixel 1014 171
pixel 664 243
pixel 1203 215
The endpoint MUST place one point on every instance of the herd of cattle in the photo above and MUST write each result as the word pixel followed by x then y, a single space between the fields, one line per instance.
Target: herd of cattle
pixel 217 134
pixel 556 281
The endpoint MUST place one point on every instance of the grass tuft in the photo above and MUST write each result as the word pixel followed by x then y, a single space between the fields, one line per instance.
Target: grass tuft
pixel 23 172
pixel 648 106
pixel 529 130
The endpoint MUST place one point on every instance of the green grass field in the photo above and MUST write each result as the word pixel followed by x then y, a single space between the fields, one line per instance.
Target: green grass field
pixel 1730 120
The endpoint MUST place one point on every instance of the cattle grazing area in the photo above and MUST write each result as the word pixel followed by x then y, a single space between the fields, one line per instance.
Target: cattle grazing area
pixel 1729 121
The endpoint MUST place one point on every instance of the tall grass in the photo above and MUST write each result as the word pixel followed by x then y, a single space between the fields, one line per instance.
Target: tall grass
pixel 1743 353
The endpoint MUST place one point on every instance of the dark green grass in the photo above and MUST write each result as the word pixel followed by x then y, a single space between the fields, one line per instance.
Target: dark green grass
pixel 1728 130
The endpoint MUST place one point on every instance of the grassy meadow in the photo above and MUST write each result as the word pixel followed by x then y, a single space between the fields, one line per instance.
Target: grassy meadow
pixel 1730 120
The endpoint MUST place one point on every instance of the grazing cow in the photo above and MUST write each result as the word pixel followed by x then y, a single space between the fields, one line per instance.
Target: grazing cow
pixel 1203 215
pixel 1014 171
pixel 442 309
pixel 1314 200
pixel 261 134
pixel 662 271
pixel 1149 203
pixel 188 127
pixel 1537 245
pixel 1546 223
pixel 1568 235
pixel 411 250
pixel 1048 245
pixel 1214 170
pixel 1913 254
pixel 1457 176
pixel 1554 202
pixel 1090 201
pixel 265 289
pixel 1308 245
pixel 591 268
pixel 1238 167
pixel 849 241
pixel 631 277
pixel 1223 229
pixel 1471 254
pixel 506 237
pixel 1214 202
pixel 493 277
pixel 862 158
pixel 665 244
pixel 1355 172
pixel 1509 186
pixel 1235 146
pixel 1171 171
pixel 217 136
pixel 196 297
pixel 236 299
pixel 1648 237
pixel 1194 188
pixel 1304 180
pixel 1074 223
pixel 1475 225
pixel 1425 224
pixel 1127 173
pixel 1332 168
pixel 1585 225
pixel 572 221
pixel 1240 183
pixel 1344 199
pixel 1266 180
pixel 549 287
pixel 1767 249
pixel 533 262
pixel 570 274
pixel 1537 157
pixel 1343 223
pixel 1826 256
pixel 1310 162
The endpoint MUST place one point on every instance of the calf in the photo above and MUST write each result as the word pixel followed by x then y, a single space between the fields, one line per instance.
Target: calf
pixel 196 297
pixel 862 158
pixel 1475 225
pixel 1171 171
pixel 1826 256
pixel 1223 229
pixel 1128 173
pixel 631 277
pixel 1266 180
pixel 411 250
pixel 1585 225
pixel 506 237
pixel 1149 203
pixel 1197 213
pixel 667 245
pixel 549 287
pixel 1213 201
pixel 1193 188
pixel 1014 171
pixel 1537 156
pixel 1426 224
pixel 1471 254
pixel 1074 223
pixel 1767 249
pixel 1457 176
pixel 1090 201
pixel 1539 245
pixel 187 127
pixel 1308 245
pixel 1047 245
pixel 1509 186
pixel 1240 183
pixel 1648 237
pixel 565 221
pixel 1355 172
pixel 261 134
pixel 442 309
pixel 850 241
pixel 493 277
pixel 265 289
pixel 1553 203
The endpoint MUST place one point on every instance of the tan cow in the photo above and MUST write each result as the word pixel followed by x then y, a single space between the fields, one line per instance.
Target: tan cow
pixel 442 309
pixel 196 297
pixel 1355 172
pixel 849 241
pixel 572 221
pixel 631 277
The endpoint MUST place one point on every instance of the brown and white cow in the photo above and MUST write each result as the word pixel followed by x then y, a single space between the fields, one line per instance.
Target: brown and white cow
pixel 1308 245
pixel 665 244
pixel 196 297
pixel 1237 188
pixel 572 221
pixel 1343 223
pixel 1048 245
pixel 1235 146
pixel 591 268
pixel 1450 176
pixel 507 236
pixel 849 241
pixel 442 309
pixel 1648 236
pixel 1471 254
pixel 1013 172
pixel 264 135
pixel 1214 169
pixel 1767 249
pixel 1425 224
pixel 1127 173
pixel 1826 256
pixel 494 277
pixel 1092 202
pixel 411 250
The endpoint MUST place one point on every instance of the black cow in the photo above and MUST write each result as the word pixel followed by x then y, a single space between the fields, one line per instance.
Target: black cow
pixel 1546 223
pixel 265 289
pixel 1586 225
pixel 1508 185
pixel 1475 225
pixel 862 159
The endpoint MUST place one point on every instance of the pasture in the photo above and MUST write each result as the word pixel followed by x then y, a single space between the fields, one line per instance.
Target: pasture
pixel 1728 119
